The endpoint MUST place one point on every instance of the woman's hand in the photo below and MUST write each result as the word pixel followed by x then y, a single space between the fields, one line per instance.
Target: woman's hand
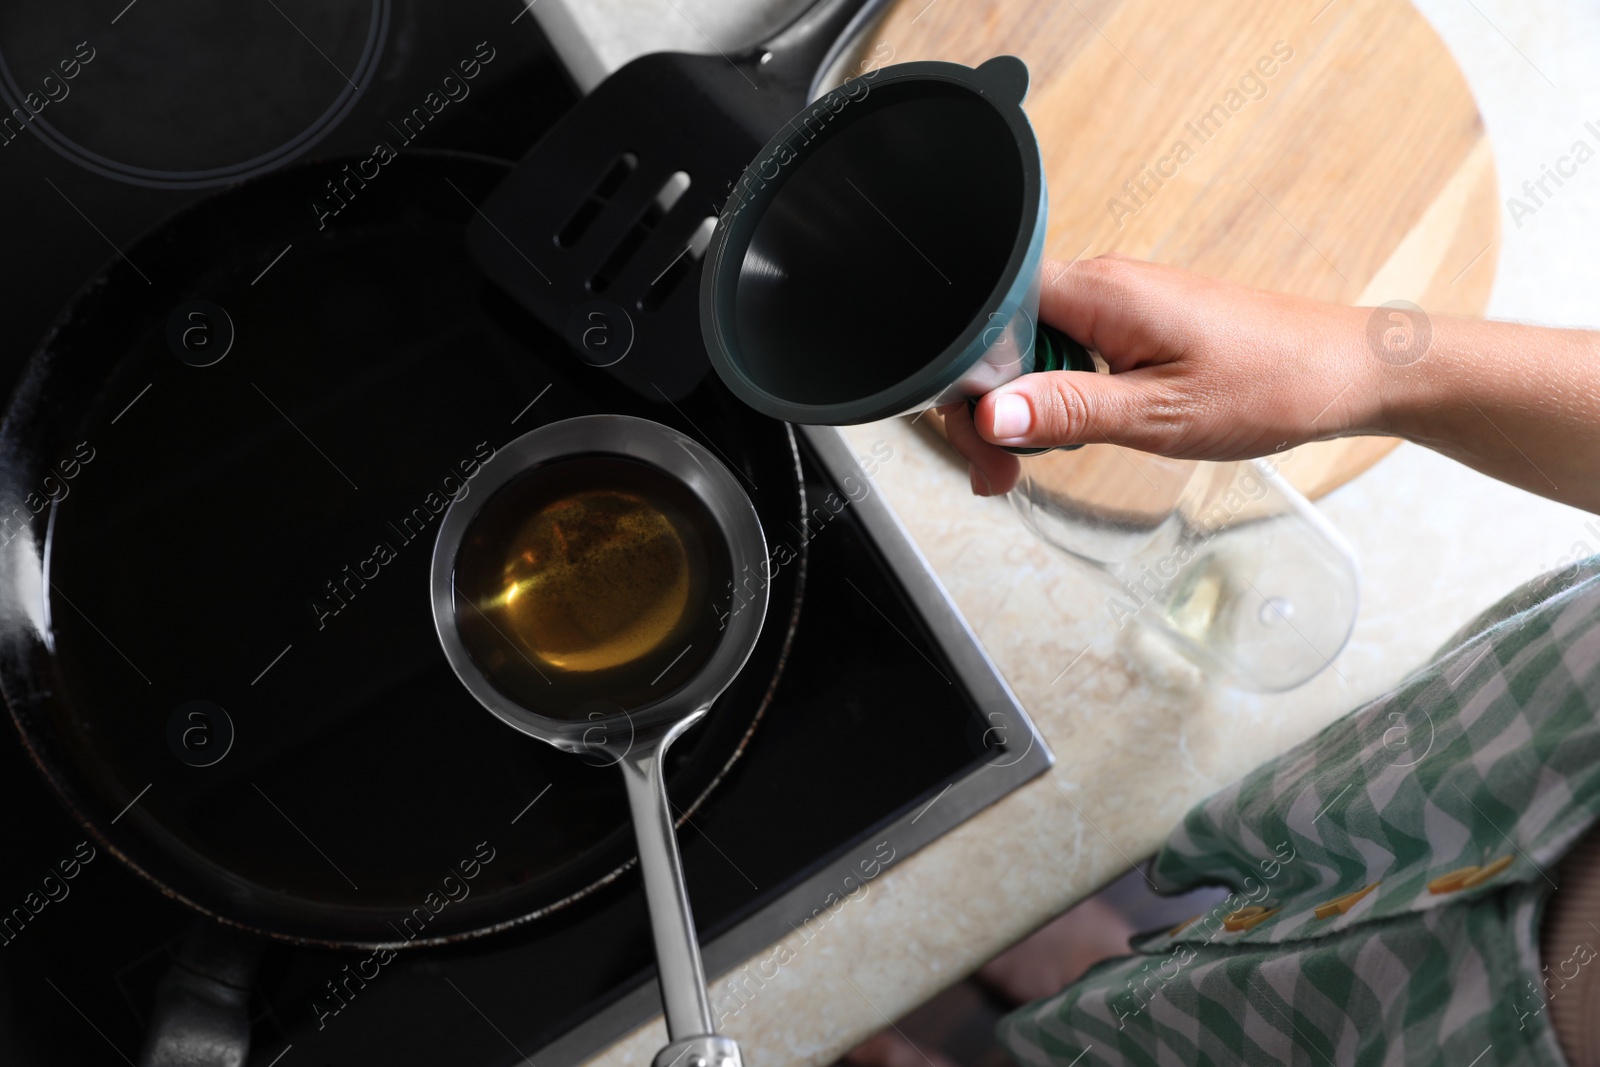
pixel 1206 369
pixel 1200 369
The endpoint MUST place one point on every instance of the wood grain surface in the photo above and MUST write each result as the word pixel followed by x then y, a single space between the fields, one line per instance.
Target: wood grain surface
pixel 1327 149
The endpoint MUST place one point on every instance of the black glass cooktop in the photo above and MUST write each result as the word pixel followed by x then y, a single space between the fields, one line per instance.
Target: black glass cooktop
pixel 123 117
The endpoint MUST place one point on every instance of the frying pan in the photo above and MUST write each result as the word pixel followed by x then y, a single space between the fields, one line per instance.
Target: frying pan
pixel 213 476
pixel 186 563
pixel 217 548
pixel 200 472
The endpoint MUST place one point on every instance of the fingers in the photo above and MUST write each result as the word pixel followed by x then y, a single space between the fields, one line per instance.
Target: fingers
pixel 1071 408
pixel 1100 302
pixel 992 469
pixel 1119 306
pixel 1072 295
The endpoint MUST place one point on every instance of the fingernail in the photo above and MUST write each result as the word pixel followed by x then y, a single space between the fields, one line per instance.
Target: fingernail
pixel 1012 416
pixel 979 485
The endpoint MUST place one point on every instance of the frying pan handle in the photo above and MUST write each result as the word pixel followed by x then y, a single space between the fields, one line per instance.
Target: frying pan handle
pixel 683 981
pixel 802 53
pixel 202 1016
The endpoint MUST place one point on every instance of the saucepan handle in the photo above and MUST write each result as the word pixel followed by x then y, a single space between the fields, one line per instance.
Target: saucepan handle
pixel 683 982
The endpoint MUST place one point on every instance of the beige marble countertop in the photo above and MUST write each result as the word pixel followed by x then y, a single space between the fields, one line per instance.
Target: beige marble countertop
pixel 1138 734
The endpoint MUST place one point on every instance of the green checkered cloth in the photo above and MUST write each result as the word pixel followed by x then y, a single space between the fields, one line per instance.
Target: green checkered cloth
pixel 1491 753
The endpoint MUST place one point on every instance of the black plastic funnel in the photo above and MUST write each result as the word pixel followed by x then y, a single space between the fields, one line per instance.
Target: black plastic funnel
pixel 882 253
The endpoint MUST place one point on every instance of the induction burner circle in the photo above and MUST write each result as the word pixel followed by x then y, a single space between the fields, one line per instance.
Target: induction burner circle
pixel 303 68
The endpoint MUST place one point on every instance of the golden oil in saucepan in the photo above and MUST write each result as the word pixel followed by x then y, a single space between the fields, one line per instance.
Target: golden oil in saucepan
pixel 590 579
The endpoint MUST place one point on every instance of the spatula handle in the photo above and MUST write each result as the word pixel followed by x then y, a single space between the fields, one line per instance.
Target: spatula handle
pixel 803 51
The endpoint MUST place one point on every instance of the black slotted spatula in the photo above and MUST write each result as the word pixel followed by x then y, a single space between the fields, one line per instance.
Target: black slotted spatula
pixel 599 229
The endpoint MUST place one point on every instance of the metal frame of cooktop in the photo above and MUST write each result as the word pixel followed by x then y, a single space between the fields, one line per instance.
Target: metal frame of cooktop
pixel 1021 756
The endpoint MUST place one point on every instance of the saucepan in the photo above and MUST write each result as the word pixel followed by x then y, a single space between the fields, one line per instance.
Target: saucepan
pixel 517 564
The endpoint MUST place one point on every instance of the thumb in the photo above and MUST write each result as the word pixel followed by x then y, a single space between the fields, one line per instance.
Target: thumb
pixel 1067 408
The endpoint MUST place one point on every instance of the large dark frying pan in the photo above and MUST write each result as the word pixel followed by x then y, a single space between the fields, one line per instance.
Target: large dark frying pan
pixel 190 522
pixel 217 484
pixel 220 477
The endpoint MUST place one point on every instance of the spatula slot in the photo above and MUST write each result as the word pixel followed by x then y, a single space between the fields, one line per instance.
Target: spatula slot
pixel 680 267
pixel 666 198
pixel 596 201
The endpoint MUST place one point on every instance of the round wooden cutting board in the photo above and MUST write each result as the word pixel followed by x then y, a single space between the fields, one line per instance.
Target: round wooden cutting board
pixel 1327 149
